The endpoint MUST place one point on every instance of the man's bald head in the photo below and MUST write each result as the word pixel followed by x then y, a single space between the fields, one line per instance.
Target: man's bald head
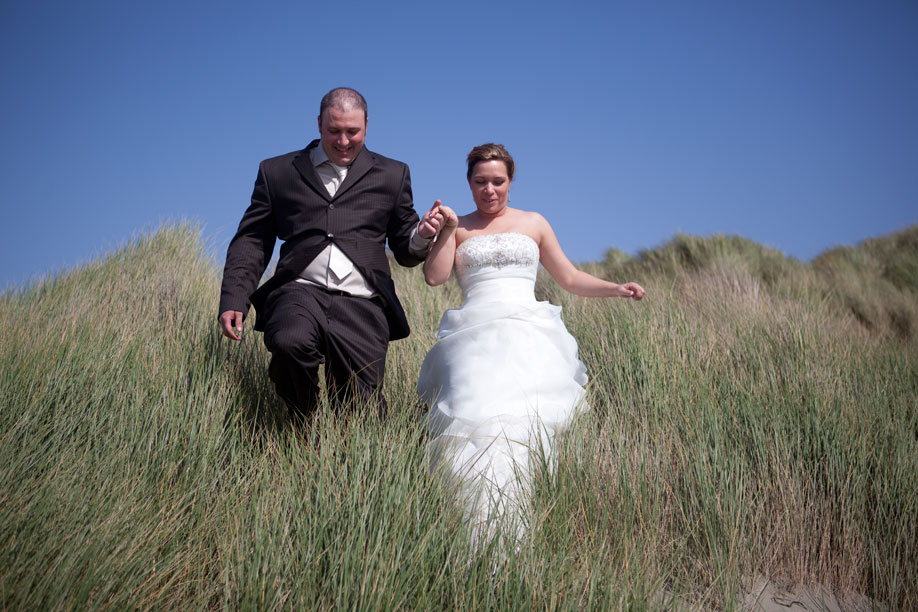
pixel 343 99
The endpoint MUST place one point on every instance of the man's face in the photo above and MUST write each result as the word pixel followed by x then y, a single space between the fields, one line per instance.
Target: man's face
pixel 342 134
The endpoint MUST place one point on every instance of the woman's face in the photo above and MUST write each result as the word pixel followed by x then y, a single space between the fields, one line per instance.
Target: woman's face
pixel 490 187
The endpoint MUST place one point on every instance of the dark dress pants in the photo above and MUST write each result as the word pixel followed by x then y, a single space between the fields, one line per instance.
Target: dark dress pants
pixel 307 326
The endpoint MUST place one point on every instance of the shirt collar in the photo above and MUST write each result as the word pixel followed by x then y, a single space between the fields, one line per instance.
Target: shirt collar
pixel 318 156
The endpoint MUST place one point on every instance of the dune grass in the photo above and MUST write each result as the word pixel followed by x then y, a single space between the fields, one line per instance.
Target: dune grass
pixel 754 416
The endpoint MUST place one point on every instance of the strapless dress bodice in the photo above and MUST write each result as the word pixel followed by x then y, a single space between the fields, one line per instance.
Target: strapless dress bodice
pixel 498 267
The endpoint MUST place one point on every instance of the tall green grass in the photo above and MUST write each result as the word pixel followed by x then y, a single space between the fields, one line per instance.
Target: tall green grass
pixel 754 416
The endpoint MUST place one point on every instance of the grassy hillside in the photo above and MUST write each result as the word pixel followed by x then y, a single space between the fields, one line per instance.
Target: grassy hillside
pixel 754 416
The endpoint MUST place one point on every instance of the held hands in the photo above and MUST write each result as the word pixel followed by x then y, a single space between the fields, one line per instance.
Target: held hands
pixel 633 290
pixel 231 324
pixel 435 220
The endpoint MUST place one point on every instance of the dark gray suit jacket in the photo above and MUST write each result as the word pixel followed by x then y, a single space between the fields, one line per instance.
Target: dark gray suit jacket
pixel 372 205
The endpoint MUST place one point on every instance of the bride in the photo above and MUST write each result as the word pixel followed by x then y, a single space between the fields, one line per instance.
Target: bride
pixel 504 377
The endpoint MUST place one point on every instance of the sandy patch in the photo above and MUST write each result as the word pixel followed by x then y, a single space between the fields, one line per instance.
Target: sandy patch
pixel 765 596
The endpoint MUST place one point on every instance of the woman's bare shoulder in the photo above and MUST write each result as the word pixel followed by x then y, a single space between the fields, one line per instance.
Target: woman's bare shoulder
pixel 533 224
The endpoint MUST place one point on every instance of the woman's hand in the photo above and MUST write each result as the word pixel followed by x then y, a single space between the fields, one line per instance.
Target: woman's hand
pixel 450 218
pixel 636 292
pixel 438 218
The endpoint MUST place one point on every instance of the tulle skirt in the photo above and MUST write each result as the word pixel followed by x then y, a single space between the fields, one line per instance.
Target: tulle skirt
pixel 502 382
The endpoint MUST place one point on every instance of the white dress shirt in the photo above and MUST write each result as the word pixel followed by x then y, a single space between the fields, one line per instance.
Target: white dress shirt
pixel 332 269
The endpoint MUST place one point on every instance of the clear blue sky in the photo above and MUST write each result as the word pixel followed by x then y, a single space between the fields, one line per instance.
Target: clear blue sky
pixel 790 122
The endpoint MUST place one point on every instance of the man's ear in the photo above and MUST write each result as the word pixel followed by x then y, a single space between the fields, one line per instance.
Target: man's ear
pixel 319 119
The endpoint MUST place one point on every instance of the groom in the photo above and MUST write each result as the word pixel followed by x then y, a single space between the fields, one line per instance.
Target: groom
pixel 331 299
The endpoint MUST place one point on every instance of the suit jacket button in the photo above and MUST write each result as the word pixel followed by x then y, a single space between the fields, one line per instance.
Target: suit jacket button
pixel 331 206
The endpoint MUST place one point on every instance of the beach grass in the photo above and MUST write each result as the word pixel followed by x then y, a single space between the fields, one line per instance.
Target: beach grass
pixel 755 416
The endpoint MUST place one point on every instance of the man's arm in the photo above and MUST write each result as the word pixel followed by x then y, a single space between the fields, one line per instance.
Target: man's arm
pixel 248 253
pixel 403 222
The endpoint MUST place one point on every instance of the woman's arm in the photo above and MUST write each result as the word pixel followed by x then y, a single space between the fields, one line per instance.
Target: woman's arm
pixel 569 277
pixel 439 262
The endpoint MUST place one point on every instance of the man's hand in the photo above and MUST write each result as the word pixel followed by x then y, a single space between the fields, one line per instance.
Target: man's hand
pixel 231 324
pixel 436 219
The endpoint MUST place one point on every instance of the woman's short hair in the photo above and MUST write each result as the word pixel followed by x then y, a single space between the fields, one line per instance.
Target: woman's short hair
pixel 490 152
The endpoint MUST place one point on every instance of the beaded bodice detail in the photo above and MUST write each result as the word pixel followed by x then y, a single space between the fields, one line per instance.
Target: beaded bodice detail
pixel 498 251
pixel 498 268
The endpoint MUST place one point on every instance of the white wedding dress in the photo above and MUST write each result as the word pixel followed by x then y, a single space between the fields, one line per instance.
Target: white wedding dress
pixel 502 381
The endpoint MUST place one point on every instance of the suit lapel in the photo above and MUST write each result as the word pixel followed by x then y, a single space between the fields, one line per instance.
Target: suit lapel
pixel 362 164
pixel 303 165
